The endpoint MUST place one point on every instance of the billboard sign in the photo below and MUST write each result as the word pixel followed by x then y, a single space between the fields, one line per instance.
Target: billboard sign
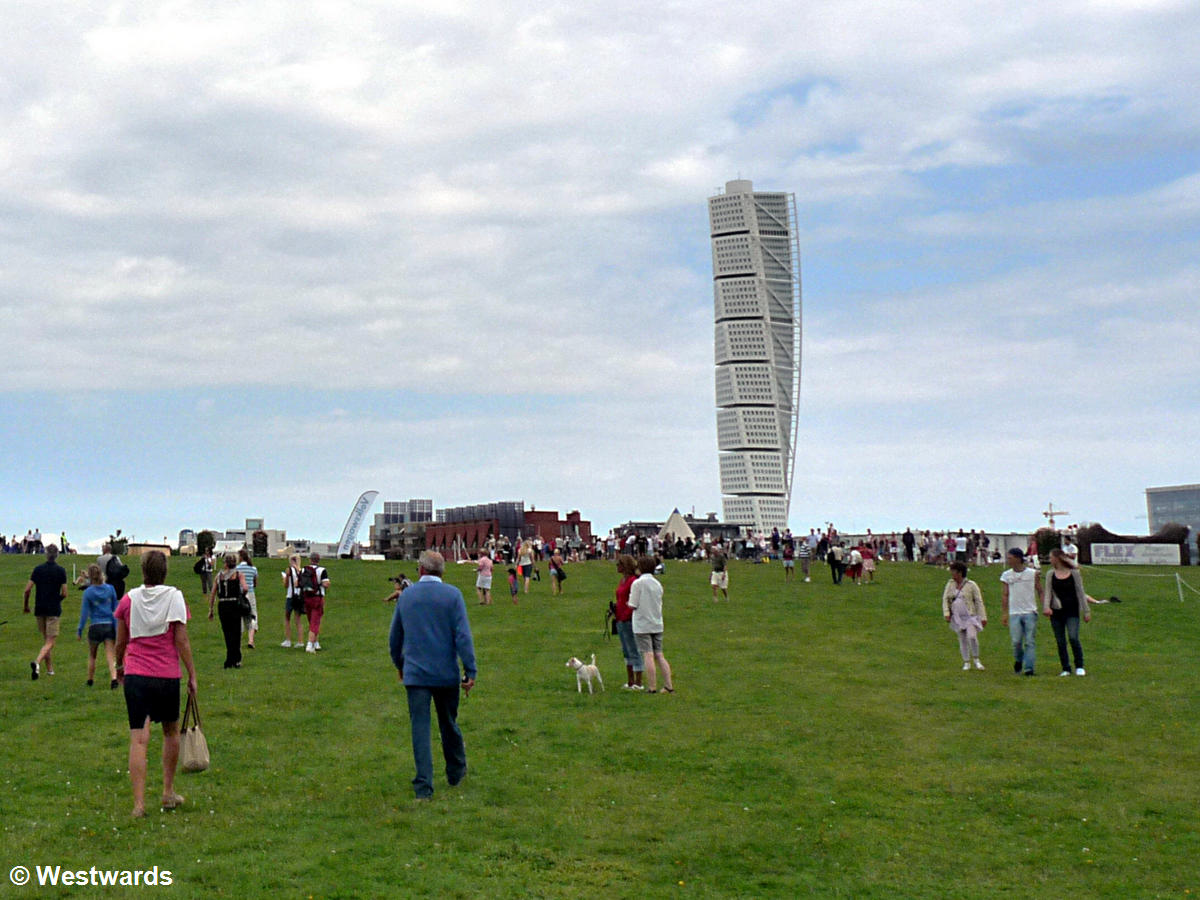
pixel 1135 554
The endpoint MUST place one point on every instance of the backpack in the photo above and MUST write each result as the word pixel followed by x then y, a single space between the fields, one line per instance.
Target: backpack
pixel 115 571
pixel 310 582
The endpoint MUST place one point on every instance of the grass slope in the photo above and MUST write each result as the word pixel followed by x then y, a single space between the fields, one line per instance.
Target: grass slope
pixel 822 741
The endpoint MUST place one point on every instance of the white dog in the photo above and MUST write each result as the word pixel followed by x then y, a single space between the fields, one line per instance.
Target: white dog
pixel 585 673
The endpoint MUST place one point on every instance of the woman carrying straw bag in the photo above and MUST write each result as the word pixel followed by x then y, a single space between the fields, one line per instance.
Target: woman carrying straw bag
pixel 152 641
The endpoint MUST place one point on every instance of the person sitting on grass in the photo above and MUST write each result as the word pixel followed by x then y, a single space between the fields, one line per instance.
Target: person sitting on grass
pixel 401 583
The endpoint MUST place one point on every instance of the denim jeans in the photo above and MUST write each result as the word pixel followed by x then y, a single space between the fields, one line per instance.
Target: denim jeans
pixel 1065 628
pixel 445 700
pixel 629 649
pixel 1022 628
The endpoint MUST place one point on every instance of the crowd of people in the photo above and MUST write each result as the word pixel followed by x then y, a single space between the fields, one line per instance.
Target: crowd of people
pixel 143 631
pixel 928 546
pixel 32 543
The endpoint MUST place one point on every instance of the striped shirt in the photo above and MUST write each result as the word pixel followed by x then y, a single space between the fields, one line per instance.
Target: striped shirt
pixel 250 573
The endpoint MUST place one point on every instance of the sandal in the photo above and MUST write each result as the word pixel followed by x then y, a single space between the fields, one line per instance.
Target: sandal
pixel 173 802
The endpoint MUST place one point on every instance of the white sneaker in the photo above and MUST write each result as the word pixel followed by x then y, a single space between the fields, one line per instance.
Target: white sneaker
pixel 627 687
pixel 978 664
pixel 286 644
pixel 316 645
pixel 1065 673
pixel 1077 672
pixel 807 580
pixel 966 667
pixel 309 648
pixel 638 687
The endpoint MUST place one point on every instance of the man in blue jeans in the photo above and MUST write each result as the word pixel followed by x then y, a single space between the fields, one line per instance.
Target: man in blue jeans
pixel 1020 587
pixel 430 635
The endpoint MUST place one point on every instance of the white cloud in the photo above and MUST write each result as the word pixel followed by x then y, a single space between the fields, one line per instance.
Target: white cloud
pixel 483 199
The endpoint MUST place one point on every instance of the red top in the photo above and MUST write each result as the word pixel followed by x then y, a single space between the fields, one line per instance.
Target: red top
pixel 624 612
pixel 153 657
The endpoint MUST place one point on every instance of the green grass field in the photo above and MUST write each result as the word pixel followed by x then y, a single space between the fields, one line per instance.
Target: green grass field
pixel 822 741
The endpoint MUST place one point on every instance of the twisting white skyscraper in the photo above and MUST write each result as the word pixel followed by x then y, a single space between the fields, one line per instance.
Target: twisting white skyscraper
pixel 756 293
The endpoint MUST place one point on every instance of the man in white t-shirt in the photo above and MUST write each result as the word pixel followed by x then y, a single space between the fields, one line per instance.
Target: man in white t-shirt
pixel 1020 588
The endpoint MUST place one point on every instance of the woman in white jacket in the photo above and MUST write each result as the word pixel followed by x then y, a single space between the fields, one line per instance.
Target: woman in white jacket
pixel 962 607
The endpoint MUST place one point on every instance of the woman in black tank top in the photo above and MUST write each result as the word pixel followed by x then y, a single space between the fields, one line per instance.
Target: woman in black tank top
pixel 1064 601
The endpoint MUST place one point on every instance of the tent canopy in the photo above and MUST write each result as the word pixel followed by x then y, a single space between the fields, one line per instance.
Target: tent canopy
pixel 676 527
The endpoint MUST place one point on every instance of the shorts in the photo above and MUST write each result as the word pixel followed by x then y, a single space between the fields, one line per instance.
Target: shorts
pixel 315 607
pixel 789 564
pixel 98 634
pixel 251 621
pixel 293 605
pixel 649 643
pixel 483 582
pixel 153 698
pixel 48 626
pixel 525 571
pixel 720 580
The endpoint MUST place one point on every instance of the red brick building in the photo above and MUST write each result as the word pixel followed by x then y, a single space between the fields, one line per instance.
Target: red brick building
pixel 471 535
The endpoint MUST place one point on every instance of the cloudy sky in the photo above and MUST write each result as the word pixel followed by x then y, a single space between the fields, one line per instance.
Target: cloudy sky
pixel 257 258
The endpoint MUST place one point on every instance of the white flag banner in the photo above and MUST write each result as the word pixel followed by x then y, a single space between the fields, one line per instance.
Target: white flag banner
pixel 1135 554
pixel 354 523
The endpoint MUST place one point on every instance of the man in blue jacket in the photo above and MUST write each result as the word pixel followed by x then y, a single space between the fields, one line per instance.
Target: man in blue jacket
pixel 430 634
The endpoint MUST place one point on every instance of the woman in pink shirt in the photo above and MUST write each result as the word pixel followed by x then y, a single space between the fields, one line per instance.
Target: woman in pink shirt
pixel 483 581
pixel 152 641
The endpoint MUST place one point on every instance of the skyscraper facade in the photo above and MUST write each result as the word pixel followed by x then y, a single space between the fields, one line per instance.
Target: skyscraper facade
pixel 757 304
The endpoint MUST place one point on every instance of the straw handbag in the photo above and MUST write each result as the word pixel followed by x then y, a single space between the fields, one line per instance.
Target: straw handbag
pixel 193 748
